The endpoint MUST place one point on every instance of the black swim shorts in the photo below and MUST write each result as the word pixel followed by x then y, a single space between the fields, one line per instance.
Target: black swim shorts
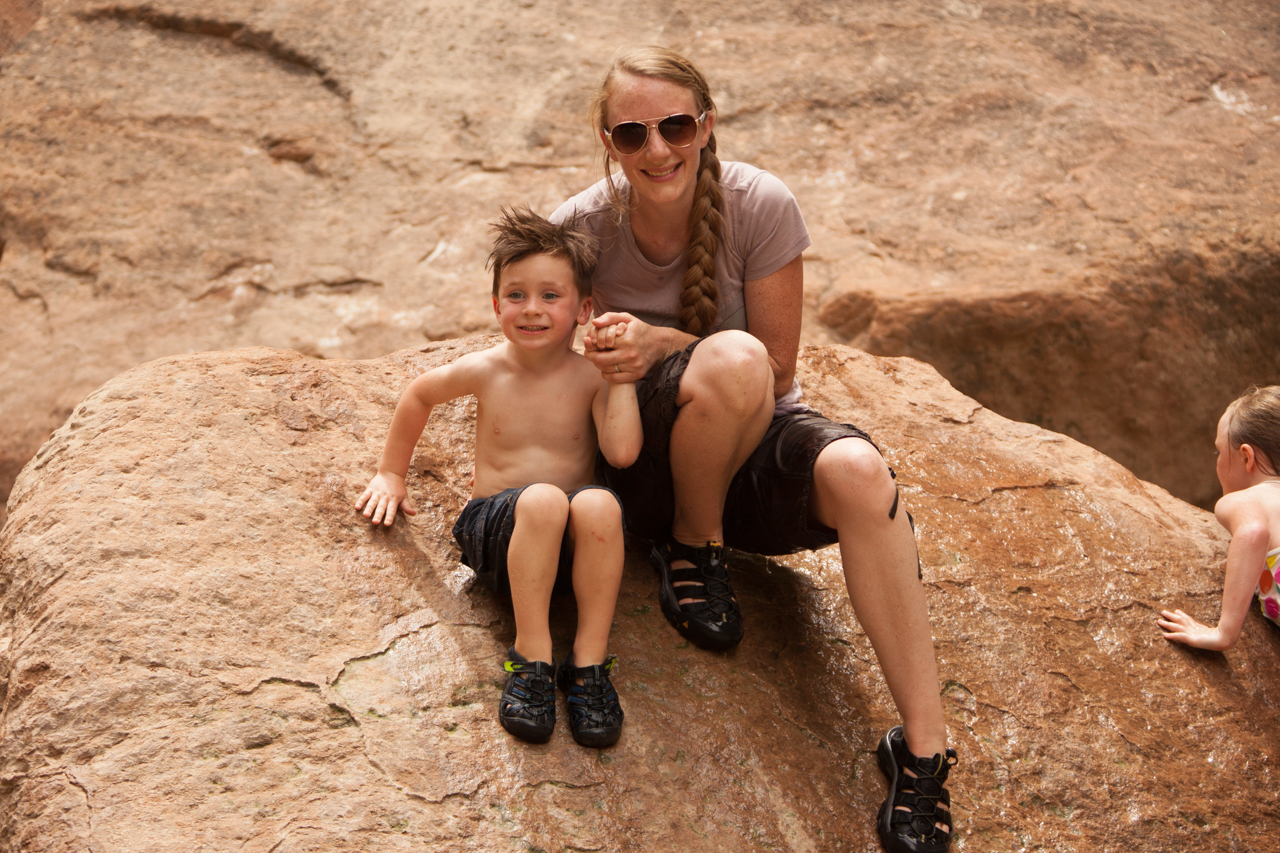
pixel 767 508
pixel 483 532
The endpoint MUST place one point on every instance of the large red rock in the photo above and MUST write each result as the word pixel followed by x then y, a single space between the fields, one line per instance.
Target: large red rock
pixel 203 647
pixel 1067 207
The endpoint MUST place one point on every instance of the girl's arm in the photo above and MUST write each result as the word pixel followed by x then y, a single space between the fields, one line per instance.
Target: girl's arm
pixel 617 415
pixel 386 492
pixel 1246 520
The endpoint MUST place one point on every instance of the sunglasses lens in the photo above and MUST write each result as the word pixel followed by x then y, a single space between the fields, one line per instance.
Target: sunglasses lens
pixel 629 137
pixel 679 131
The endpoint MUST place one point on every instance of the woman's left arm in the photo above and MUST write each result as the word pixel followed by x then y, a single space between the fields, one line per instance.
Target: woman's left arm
pixel 775 305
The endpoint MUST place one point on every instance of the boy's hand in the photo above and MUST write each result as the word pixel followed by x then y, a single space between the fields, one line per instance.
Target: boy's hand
pixel 605 337
pixel 1181 628
pixel 385 493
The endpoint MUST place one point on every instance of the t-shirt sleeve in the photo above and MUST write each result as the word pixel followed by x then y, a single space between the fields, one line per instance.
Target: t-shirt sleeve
pixel 565 211
pixel 772 228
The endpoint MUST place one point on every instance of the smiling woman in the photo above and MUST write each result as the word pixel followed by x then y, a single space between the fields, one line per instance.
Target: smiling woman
pixel 698 293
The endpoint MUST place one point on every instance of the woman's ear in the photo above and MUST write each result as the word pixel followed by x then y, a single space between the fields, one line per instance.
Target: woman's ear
pixel 608 149
pixel 708 125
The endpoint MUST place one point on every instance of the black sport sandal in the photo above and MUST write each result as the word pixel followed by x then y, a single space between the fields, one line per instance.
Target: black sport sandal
pixel 595 717
pixel 527 708
pixel 910 817
pixel 713 620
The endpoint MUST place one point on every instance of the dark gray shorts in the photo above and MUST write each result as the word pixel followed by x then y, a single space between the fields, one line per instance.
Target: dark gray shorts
pixel 767 509
pixel 483 533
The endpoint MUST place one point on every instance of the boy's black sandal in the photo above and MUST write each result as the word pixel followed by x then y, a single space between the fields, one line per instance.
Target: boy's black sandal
pixel 713 620
pixel 595 716
pixel 527 708
pixel 910 817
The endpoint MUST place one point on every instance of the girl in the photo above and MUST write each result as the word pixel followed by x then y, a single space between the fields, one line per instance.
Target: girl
pixel 1248 449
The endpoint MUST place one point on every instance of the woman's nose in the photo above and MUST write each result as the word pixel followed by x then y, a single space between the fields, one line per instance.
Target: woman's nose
pixel 656 145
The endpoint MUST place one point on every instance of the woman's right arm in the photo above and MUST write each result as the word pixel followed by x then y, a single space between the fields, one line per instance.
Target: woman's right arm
pixel 633 353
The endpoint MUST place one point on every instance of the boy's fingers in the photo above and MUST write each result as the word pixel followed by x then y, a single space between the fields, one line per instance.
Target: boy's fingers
pixel 408 508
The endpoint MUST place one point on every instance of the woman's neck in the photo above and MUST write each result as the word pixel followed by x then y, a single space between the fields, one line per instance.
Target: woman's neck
pixel 660 235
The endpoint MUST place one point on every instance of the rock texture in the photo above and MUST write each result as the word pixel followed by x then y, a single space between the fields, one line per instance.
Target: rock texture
pixel 1066 206
pixel 17 17
pixel 203 647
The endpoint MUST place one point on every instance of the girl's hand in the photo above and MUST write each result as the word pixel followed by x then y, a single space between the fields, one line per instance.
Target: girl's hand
pixel 621 347
pixel 384 494
pixel 1181 628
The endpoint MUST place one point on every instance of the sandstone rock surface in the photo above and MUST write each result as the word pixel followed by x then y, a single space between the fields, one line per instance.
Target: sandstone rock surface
pixel 203 647
pixel 17 17
pixel 1068 207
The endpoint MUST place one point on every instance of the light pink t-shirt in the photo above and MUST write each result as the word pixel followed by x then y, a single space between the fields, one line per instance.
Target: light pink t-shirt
pixel 764 231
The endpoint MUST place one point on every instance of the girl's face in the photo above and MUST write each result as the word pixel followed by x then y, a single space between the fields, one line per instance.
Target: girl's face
pixel 660 175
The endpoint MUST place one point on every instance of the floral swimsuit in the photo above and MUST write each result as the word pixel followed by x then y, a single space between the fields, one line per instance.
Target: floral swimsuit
pixel 1268 592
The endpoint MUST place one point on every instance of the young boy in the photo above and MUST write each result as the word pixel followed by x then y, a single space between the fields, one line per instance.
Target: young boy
pixel 533 513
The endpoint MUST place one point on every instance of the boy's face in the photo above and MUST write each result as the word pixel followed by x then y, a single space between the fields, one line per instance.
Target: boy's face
pixel 538 305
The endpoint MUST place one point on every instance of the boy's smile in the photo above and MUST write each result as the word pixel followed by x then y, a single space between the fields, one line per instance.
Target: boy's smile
pixel 538 303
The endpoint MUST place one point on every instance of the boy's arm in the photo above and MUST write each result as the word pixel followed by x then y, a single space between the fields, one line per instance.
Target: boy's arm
pixel 1247 523
pixel 386 491
pixel 617 415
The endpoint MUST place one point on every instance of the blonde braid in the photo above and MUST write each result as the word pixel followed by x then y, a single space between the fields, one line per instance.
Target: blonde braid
pixel 706 229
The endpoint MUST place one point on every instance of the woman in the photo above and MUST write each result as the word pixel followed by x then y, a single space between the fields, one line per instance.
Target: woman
pixel 701 260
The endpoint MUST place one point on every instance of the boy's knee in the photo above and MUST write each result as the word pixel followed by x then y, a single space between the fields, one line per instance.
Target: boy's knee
pixel 596 506
pixel 543 503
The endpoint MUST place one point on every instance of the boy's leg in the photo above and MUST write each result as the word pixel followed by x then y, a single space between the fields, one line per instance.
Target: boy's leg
pixel 532 561
pixel 595 528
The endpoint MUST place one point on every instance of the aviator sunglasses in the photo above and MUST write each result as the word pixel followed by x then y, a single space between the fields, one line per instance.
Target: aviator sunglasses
pixel 679 131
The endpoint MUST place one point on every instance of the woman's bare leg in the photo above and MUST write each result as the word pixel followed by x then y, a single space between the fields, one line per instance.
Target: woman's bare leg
pixel 726 403
pixel 853 493
pixel 532 561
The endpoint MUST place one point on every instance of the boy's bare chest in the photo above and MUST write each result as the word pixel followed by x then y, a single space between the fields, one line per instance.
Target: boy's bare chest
pixel 545 413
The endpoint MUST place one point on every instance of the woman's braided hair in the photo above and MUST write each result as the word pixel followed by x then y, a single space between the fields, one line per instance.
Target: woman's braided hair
pixel 706 220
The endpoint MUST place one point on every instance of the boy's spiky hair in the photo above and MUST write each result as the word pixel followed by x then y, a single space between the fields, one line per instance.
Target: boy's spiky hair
pixel 520 232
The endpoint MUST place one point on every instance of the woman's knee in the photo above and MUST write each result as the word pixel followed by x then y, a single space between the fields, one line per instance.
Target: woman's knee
pixel 851 475
pixel 734 367
pixel 542 504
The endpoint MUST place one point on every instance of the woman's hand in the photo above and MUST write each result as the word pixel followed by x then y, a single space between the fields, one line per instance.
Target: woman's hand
pixel 1181 628
pixel 624 349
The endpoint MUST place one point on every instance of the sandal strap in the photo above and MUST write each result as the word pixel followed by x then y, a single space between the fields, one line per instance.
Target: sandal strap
pixel 707 579
pixel 594 702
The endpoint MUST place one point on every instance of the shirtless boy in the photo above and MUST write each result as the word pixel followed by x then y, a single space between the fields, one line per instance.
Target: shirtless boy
pixel 533 512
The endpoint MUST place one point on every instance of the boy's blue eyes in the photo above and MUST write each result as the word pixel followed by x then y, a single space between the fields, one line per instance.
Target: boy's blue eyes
pixel 519 294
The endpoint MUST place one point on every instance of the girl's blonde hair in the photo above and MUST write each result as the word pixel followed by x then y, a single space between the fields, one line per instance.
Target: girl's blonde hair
pixel 1254 419
pixel 706 220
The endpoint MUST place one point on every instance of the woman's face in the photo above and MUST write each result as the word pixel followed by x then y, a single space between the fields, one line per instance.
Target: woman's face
pixel 661 176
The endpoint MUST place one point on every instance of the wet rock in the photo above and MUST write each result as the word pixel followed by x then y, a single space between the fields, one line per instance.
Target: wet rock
pixel 1045 201
pixel 202 645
